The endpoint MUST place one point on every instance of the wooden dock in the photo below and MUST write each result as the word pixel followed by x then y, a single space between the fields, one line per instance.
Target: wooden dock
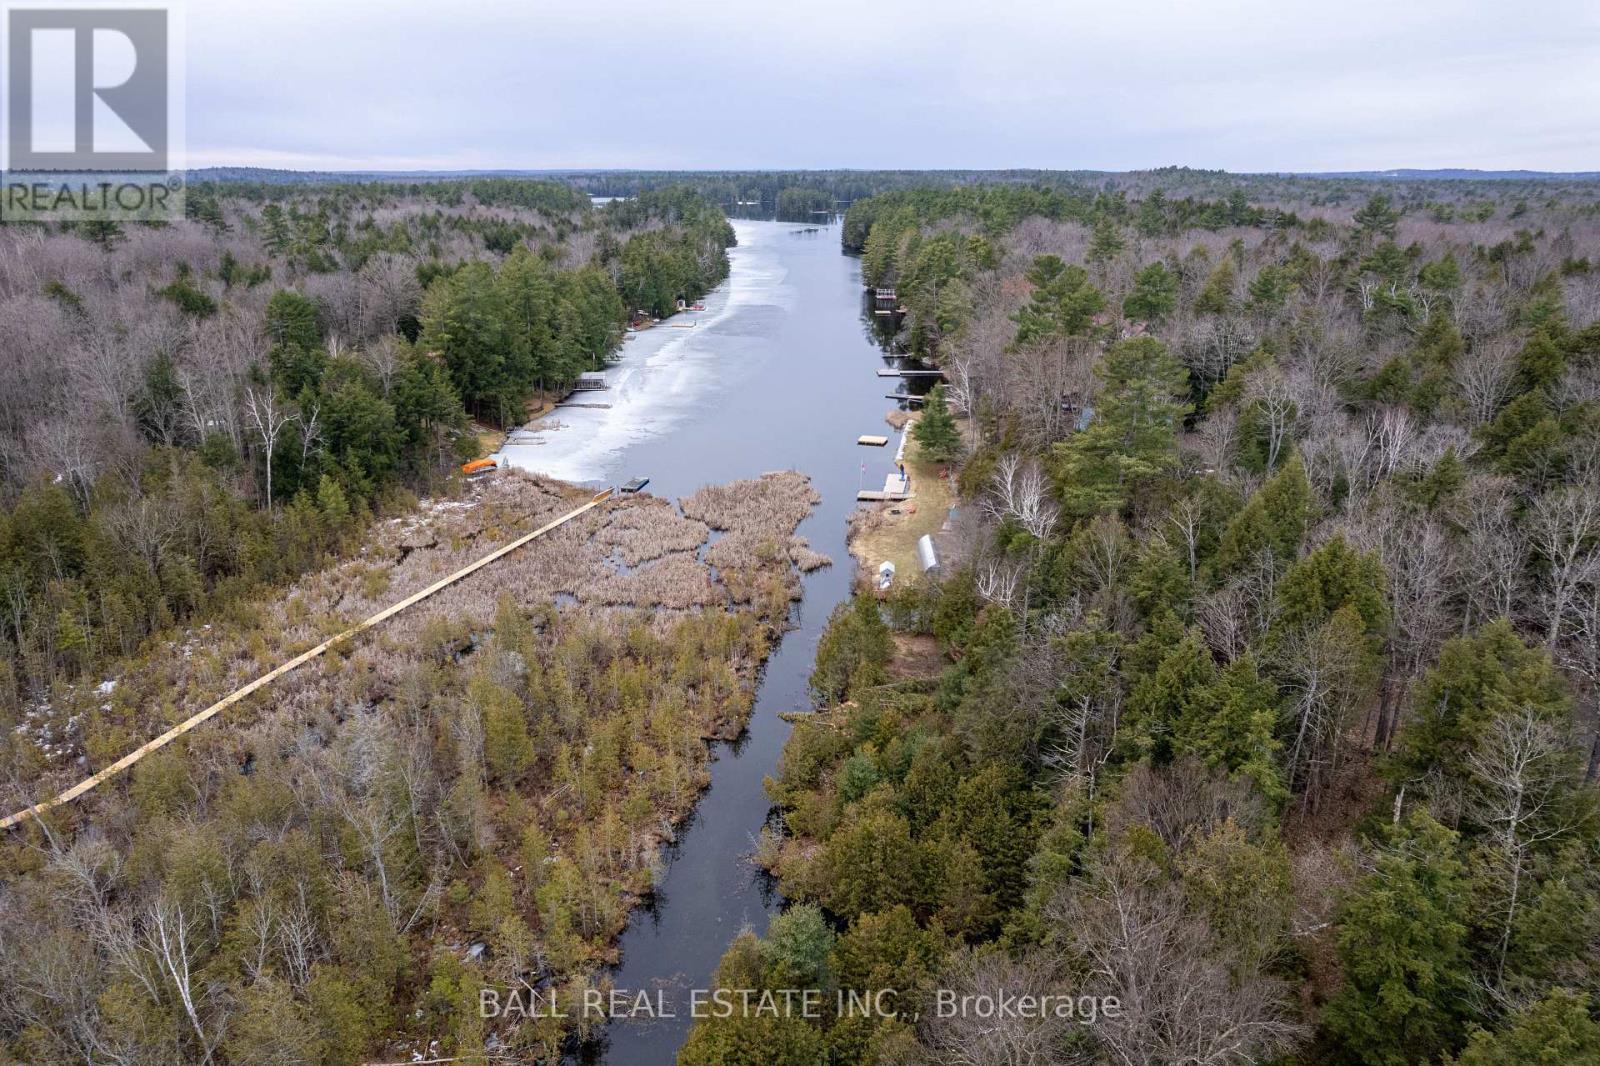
pixel 887 373
pixel 894 490
pixel 870 440
pixel 196 720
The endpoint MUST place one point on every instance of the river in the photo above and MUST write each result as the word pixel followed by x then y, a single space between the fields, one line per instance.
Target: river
pixel 777 373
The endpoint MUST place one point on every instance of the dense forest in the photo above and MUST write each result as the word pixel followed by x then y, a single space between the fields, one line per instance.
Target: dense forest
pixel 793 195
pixel 473 796
pixel 212 439
pixel 1261 697
pixel 190 411
pixel 1268 696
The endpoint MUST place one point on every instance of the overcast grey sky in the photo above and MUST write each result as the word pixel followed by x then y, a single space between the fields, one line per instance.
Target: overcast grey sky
pixel 1237 84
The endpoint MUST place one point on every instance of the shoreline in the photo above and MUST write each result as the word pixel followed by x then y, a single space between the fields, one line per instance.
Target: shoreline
pixel 889 531
pixel 492 440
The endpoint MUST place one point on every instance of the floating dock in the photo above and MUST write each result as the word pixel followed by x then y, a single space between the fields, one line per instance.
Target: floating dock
pixel 636 484
pixel 869 440
pixel 887 373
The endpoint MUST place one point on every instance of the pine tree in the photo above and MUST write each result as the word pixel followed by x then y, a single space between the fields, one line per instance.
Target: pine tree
pixel 276 226
pixel 1217 295
pixel 1106 243
pixel 796 948
pixel 1064 303
pixel 104 232
pixel 1132 436
pixel 938 439
pixel 1376 217
pixel 1154 295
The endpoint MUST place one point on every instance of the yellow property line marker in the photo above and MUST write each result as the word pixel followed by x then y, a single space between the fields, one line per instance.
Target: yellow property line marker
pixel 299 660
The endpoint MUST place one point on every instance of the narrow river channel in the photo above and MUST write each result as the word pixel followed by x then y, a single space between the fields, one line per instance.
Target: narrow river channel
pixel 779 372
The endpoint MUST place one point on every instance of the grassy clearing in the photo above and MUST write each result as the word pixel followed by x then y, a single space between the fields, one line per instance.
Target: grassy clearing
pixel 889 531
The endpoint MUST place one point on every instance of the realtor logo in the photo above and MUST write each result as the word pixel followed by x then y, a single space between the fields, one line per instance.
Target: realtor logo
pixel 87 89
pixel 92 130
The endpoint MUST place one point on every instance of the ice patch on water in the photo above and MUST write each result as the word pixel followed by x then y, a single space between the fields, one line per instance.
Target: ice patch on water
pixel 664 374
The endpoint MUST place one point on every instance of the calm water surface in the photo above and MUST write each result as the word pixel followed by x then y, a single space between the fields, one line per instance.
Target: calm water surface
pixel 778 373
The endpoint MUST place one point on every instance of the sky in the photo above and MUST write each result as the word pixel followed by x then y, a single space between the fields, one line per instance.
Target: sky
pixel 1241 85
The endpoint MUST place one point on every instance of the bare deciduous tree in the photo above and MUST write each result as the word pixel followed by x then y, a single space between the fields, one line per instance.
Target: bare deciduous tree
pixel 1020 492
pixel 1562 529
pixel 1519 770
pixel 1184 998
pixel 268 418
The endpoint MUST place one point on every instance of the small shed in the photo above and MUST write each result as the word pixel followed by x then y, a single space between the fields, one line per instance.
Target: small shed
pixel 925 553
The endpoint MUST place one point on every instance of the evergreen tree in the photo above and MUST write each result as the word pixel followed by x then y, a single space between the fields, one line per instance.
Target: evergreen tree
pixel 1132 436
pixel 105 232
pixel 1476 679
pixel 1217 295
pixel 292 320
pixel 1173 700
pixel 1376 217
pixel 1106 243
pixel 1231 724
pixel 276 229
pixel 1064 303
pixel 1273 520
pixel 1402 943
pixel 938 439
pixel 1558 1030
pixel 795 950
pixel 1334 577
pixel 1154 295
pixel 465 320
pixel 852 651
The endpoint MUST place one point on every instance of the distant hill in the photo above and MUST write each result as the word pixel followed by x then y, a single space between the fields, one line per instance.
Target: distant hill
pixel 1458 174
pixel 287 177
pixel 274 175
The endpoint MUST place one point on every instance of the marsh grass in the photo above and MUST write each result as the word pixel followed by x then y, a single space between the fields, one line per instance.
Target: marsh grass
pixel 647 528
